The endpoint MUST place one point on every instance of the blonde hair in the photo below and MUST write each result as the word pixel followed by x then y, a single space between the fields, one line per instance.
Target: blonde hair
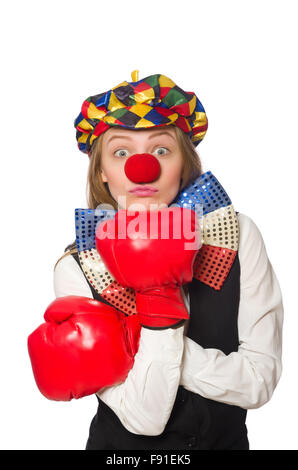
pixel 97 192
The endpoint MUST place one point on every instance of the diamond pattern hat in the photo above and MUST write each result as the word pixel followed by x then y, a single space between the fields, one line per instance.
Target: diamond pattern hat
pixel 153 101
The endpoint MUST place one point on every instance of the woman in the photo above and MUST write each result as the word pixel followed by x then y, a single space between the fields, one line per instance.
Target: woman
pixel 194 376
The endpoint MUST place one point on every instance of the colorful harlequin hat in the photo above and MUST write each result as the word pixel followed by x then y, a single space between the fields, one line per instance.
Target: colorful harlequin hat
pixel 220 237
pixel 153 101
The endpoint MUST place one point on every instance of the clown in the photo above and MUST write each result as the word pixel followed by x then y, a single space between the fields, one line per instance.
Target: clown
pixel 177 336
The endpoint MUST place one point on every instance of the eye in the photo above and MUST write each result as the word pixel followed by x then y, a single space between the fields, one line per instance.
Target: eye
pixel 162 148
pixel 121 153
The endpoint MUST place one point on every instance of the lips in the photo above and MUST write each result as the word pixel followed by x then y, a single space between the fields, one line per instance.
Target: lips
pixel 143 190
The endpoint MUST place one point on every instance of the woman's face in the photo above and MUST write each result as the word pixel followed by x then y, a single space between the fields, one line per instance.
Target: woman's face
pixel 119 144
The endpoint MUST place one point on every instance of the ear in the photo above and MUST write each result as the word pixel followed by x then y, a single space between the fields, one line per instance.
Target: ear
pixel 103 176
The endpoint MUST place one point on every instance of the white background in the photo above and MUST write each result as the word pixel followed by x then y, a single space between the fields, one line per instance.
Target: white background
pixel 240 58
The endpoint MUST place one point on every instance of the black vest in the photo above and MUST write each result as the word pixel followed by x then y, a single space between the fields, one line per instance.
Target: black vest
pixel 195 422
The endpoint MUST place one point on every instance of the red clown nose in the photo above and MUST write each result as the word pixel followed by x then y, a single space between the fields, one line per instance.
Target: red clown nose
pixel 142 168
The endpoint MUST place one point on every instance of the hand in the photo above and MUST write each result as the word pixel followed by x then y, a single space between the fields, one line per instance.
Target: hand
pixel 155 267
pixel 83 346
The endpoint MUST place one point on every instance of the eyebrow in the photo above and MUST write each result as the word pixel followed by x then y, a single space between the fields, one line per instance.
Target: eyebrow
pixel 156 134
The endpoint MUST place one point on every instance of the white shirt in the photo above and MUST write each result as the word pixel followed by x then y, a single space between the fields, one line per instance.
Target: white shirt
pixel 168 358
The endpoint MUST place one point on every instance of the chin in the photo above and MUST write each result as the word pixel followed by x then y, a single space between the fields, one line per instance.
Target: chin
pixel 145 201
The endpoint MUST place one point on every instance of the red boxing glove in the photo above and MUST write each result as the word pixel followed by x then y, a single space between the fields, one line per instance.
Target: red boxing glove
pixel 155 261
pixel 84 345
